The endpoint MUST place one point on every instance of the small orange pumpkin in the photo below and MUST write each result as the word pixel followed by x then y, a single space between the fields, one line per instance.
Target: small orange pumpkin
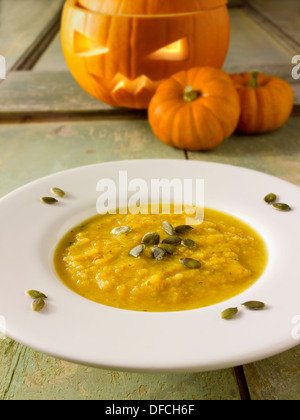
pixel 195 109
pixel 266 102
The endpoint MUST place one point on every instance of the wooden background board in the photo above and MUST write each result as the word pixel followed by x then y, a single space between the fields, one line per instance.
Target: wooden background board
pixel 48 124
pixel 23 25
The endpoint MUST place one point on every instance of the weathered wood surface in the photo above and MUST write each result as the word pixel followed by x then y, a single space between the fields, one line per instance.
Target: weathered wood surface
pixel 22 24
pixel 251 47
pixel 276 378
pixel 276 153
pixel 31 375
pixel 49 94
pixel 283 16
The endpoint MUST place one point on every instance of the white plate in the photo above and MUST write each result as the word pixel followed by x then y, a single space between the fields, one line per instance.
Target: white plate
pixel 82 331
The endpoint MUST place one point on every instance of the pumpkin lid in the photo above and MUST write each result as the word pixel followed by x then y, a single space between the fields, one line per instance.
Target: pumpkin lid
pixel 147 7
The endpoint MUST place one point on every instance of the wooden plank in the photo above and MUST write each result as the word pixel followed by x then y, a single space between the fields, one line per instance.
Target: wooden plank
pixel 276 153
pixel 21 27
pixel 58 146
pixel 277 378
pixel 53 58
pixel 40 377
pixel 251 47
pixel 26 93
pixel 42 149
pixel 284 22
pixel 44 94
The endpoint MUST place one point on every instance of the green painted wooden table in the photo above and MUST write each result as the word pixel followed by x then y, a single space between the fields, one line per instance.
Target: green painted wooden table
pixel 48 124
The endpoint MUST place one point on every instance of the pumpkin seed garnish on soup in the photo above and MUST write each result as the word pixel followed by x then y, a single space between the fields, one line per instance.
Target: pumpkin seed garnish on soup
pixel 173 240
pixel 158 253
pixel 168 228
pixel 169 248
pixel 183 229
pixel 190 263
pixel 188 243
pixel 151 238
pixel 120 230
pixel 137 251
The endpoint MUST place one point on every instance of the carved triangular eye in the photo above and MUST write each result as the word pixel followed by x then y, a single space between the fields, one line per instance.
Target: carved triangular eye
pixel 87 47
pixel 176 51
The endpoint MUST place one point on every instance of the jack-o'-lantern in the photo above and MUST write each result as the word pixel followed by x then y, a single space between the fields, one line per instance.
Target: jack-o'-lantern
pixel 120 50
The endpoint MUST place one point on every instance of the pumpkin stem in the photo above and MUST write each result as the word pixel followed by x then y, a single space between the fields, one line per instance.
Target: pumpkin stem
pixel 191 94
pixel 254 80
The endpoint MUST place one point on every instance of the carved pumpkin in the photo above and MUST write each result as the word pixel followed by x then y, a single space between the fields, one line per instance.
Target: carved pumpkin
pixel 120 50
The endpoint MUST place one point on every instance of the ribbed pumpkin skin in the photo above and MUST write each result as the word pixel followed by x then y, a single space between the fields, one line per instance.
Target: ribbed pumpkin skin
pixel 203 123
pixel 111 55
pixel 264 108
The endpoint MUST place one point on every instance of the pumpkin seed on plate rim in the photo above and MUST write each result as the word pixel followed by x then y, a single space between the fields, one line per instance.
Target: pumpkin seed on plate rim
pixel 229 313
pixel 270 198
pixel 49 200
pixel 38 304
pixel 254 305
pixel 35 294
pixel 58 192
pixel 281 206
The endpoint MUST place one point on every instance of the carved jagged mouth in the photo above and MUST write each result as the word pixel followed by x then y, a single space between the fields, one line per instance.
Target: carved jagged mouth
pixel 121 83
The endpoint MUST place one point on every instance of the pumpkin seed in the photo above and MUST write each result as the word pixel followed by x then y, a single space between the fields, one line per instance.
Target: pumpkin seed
pixel 190 263
pixel 169 248
pixel 49 200
pixel 151 238
pixel 229 313
pixel 172 240
pixel 58 192
pixel 168 228
pixel 188 243
pixel 183 229
pixel 137 251
pixel 281 206
pixel 270 198
pixel 254 305
pixel 158 253
pixel 38 304
pixel 35 294
pixel 120 230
